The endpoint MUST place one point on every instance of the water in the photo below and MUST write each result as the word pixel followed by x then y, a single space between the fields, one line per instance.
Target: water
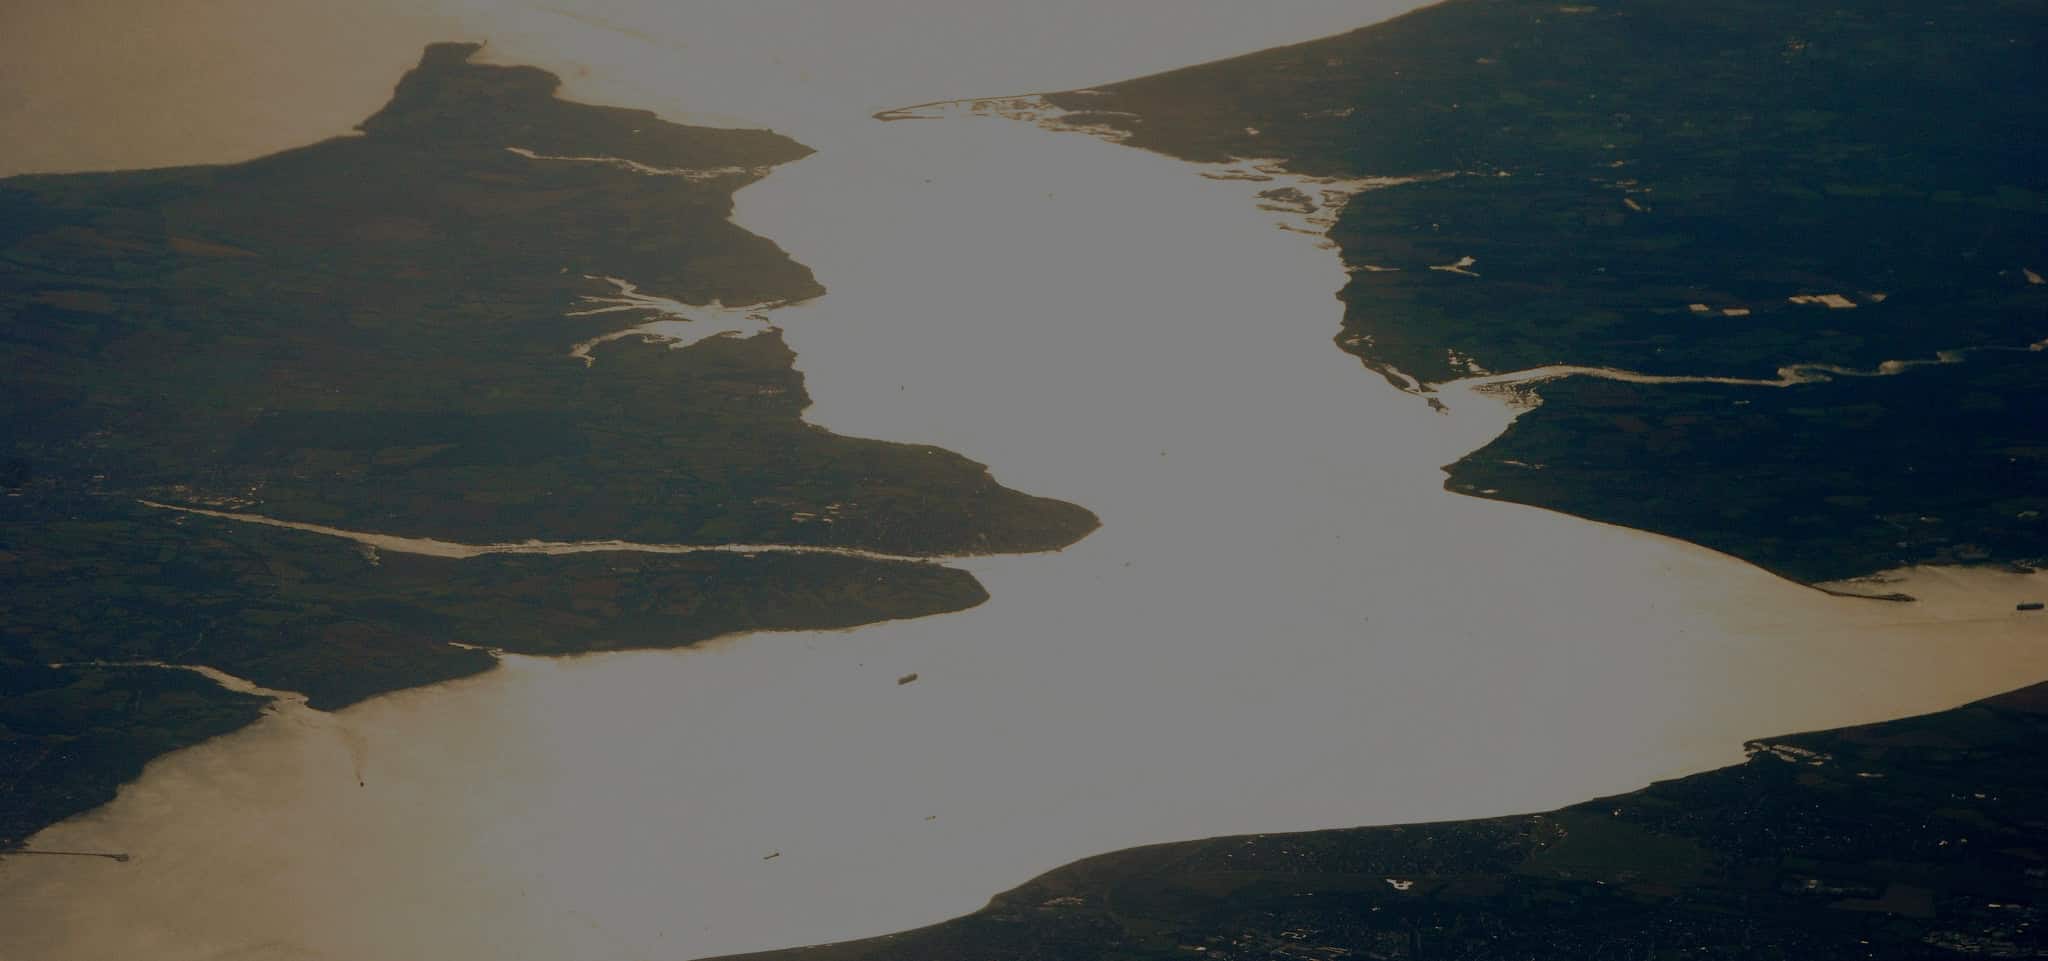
pixel 1284 622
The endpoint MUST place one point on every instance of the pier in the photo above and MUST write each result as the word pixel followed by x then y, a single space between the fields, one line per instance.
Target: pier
pixel 109 855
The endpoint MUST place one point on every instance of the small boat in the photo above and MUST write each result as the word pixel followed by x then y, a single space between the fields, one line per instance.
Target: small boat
pixel 2027 606
pixel 772 856
pixel 907 678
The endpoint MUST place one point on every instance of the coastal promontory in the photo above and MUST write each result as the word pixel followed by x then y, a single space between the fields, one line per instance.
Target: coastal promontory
pixel 432 329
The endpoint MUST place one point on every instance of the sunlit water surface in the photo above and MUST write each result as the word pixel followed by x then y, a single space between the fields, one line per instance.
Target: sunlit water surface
pixel 1283 624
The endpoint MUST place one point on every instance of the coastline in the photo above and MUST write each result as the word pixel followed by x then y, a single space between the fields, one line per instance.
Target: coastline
pixel 1044 110
pixel 483 418
pixel 881 748
pixel 1634 242
pixel 1819 846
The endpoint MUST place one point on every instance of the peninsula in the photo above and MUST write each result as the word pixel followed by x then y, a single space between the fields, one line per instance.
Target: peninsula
pixel 433 332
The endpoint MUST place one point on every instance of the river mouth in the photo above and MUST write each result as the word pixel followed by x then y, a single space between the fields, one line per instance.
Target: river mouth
pixel 1284 623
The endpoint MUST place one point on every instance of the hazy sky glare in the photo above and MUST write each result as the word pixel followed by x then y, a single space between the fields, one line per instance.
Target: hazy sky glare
pixel 101 84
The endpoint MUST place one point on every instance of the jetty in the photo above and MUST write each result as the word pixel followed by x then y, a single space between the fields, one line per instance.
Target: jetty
pixel 109 855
